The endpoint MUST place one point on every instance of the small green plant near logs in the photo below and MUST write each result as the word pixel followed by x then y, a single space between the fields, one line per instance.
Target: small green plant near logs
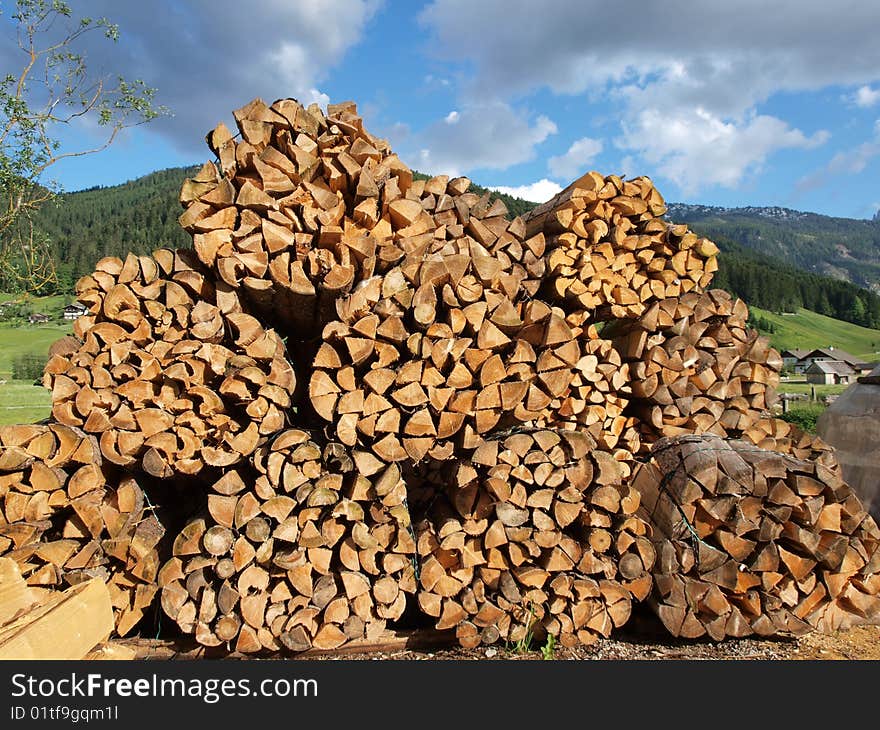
pixel 524 645
pixel 548 651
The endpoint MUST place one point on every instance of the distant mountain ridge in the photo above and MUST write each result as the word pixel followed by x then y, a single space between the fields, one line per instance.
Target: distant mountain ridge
pixel 842 248
pixel 679 210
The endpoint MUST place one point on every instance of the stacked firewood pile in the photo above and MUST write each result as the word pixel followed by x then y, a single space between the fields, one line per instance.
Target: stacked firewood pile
pixel 695 366
pixel 363 397
pixel 171 374
pixel 537 533
pixel 753 541
pixel 297 551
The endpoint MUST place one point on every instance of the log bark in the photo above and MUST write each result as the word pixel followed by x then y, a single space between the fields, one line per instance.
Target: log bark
pixel 751 541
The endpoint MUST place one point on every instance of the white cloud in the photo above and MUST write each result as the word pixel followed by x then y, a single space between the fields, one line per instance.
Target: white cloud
pixel 576 160
pixel 536 192
pixel 451 118
pixel 629 167
pixel 489 135
pixel 698 136
pixel 205 62
pixel 848 162
pixel 866 97
pixel 573 45
pixel 697 148
pixel 694 72
pixel 399 131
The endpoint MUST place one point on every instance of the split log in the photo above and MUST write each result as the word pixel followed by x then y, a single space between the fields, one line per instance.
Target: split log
pixel 777 435
pixel 16 596
pixel 307 206
pixel 299 210
pixel 44 632
pixel 421 366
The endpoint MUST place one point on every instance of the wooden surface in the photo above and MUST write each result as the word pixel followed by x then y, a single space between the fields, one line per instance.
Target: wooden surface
pixel 67 626
pixel 15 596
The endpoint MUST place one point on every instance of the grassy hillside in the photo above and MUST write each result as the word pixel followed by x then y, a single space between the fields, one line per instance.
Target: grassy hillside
pixel 52 306
pixel 807 330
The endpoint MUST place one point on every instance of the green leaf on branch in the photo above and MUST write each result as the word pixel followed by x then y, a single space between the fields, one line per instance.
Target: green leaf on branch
pixel 53 88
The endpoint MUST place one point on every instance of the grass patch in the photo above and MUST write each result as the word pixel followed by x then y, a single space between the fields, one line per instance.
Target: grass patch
pixel 805 416
pixel 18 341
pixel 52 306
pixel 807 330
pixel 805 413
pixel 548 651
pixel 23 402
pixel 20 400
pixel 805 388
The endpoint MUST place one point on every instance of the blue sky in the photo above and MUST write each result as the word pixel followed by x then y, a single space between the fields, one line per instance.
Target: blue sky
pixel 736 103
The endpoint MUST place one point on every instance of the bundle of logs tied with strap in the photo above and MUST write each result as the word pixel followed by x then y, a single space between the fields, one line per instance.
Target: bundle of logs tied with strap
pixel 364 399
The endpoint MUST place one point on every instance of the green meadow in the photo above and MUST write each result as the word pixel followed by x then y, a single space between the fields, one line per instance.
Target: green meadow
pixel 807 330
pixel 21 401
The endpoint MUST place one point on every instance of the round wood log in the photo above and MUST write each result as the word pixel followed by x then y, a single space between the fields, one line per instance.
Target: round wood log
pixel 750 541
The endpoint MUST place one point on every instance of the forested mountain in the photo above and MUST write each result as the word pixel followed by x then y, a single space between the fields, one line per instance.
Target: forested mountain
pixel 766 282
pixel 138 216
pixel 764 259
pixel 844 248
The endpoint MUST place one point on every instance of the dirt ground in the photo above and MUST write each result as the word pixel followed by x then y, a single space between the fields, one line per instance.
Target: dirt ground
pixel 644 642
pixel 862 643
